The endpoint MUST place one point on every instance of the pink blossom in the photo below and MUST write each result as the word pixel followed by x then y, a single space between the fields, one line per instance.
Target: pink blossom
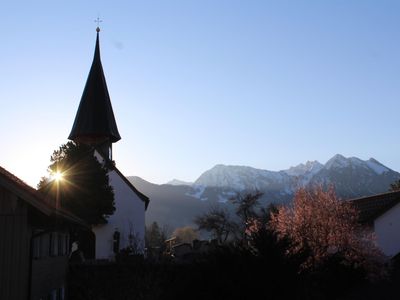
pixel 317 221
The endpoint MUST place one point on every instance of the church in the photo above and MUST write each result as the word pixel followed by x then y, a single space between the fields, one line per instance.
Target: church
pixel 95 125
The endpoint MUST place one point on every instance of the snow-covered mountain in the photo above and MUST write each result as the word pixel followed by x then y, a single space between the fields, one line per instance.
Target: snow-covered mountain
pixel 351 177
pixel 242 178
pixel 310 168
pixel 178 182
pixel 341 162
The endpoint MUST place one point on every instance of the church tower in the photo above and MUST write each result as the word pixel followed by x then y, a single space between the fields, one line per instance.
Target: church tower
pixel 94 123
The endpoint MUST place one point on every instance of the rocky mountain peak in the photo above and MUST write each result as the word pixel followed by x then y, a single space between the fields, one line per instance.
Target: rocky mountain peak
pixel 337 161
pixel 301 169
pixel 178 182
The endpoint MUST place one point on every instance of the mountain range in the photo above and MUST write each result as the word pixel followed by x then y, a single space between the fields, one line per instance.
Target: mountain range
pixel 177 203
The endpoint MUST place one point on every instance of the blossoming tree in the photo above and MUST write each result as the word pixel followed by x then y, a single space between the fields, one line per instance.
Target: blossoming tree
pixel 319 224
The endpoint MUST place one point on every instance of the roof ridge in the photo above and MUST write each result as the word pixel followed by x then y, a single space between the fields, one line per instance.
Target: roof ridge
pixel 39 200
pixel 371 207
pixel 375 196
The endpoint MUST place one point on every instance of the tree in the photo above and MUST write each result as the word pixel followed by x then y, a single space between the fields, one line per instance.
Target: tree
pixel 185 234
pixel 84 188
pixel 395 186
pixel 321 226
pixel 155 236
pixel 247 210
pixel 246 205
pixel 221 225
pixel 218 222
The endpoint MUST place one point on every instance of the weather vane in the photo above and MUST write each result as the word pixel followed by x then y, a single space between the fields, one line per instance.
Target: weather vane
pixel 98 21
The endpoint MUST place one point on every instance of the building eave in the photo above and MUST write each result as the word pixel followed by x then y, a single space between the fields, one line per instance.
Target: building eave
pixel 143 197
pixel 35 199
pixel 111 166
pixel 372 207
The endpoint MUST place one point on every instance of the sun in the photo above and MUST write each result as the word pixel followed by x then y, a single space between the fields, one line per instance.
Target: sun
pixel 57 176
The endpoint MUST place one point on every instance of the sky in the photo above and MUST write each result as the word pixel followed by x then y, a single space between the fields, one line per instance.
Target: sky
pixel 267 84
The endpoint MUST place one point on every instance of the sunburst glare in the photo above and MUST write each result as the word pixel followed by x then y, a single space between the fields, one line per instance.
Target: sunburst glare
pixel 57 176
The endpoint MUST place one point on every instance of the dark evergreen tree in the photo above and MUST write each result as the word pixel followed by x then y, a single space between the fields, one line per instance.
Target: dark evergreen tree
pixel 153 236
pixel 84 188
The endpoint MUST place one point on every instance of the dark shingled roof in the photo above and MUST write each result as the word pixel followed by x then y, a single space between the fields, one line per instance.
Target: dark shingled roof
pixel 34 198
pixel 95 117
pixel 372 207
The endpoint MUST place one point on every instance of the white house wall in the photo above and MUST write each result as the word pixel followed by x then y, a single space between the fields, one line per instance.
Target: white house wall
pixel 387 230
pixel 128 218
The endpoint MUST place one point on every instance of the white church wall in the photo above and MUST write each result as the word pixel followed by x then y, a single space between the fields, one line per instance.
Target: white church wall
pixel 128 218
pixel 387 228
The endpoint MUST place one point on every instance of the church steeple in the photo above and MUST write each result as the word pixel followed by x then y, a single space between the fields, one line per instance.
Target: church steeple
pixel 94 122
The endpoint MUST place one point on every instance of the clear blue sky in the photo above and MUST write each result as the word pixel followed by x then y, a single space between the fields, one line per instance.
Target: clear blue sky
pixel 267 84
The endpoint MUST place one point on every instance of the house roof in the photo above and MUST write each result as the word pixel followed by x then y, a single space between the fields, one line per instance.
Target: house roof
pixel 374 206
pixel 95 116
pixel 34 198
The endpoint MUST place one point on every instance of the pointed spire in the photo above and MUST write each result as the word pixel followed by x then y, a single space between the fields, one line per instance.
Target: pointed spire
pixel 94 122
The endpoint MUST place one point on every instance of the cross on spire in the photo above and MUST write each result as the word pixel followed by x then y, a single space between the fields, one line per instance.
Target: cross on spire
pixel 98 21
